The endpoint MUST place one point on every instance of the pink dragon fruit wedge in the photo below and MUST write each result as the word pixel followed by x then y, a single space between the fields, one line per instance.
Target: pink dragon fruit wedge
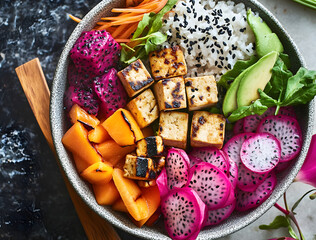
pixel 307 174
pixel 94 52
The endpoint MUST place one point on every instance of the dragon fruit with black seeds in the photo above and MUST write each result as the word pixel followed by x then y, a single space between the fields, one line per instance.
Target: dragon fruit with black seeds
pixel 232 172
pixel 247 180
pixel 85 98
pixel 287 130
pixel 76 79
pixel 210 183
pixel 94 52
pixel 249 200
pixel 261 153
pixel 184 213
pixel 177 168
pixel 239 126
pixel 211 155
pixel 110 92
pixel 217 216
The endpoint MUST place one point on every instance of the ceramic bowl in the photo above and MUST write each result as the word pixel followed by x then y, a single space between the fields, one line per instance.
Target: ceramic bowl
pixel 237 220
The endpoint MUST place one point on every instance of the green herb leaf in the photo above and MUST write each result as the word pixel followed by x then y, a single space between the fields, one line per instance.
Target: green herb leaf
pixel 157 38
pixel 255 108
pixel 147 19
pixel 301 198
pixel 278 222
pixel 292 232
pixel 238 68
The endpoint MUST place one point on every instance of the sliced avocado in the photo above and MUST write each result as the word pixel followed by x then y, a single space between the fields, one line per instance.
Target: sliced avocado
pixel 230 100
pixel 266 40
pixel 255 77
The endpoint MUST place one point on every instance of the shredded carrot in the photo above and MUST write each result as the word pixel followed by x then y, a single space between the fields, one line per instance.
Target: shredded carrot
pixel 132 28
pixel 131 10
pixel 119 30
pixel 120 40
pixel 78 20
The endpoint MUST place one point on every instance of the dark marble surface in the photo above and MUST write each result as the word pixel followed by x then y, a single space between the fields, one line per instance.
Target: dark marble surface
pixel 34 203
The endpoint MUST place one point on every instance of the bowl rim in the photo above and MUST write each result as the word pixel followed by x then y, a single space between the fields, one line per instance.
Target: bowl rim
pixel 66 163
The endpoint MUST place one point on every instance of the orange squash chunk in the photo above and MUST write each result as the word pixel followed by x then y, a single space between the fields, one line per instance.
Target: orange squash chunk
pixel 153 219
pixel 98 134
pixel 100 172
pixel 119 206
pixel 152 196
pixel 148 131
pixel 112 152
pixel 123 128
pixel 80 163
pixel 76 141
pixel 130 193
pixel 77 113
pixel 106 194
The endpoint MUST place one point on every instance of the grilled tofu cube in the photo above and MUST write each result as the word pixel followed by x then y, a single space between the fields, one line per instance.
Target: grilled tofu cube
pixel 150 147
pixel 168 62
pixel 207 129
pixel 135 78
pixel 170 94
pixel 173 128
pixel 139 168
pixel 201 92
pixel 144 108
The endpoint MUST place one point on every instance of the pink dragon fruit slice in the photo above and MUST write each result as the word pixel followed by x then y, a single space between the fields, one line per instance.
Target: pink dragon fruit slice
pixel 231 198
pixel 76 79
pixel 211 155
pixel 233 171
pixel 85 98
pixel 282 166
pixel 94 52
pixel 210 183
pixel 217 216
pixel 183 213
pixel 177 167
pixel 162 183
pixel 110 91
pixel 239 126
pixel 260 153
pixel 248 200
pixel 283 238
pixel 307 174
pixel 287 130
pixel 194 160
pixel 247 180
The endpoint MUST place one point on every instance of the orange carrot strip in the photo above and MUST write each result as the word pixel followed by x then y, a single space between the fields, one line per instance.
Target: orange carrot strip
pixel 78 20
pixel 119 30
pixel 132 28
pixel 131 10
pixel 119 40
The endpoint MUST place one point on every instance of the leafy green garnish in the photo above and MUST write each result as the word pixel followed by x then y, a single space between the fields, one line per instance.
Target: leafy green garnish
pixel 283 89
pixel 147 36
pixel 278 222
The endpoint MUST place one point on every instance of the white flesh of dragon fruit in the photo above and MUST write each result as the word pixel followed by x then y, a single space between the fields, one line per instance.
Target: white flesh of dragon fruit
pixel 210 183
pixel 247 180
pixel 214 217
pixel 260 153
pixel 94 52
pixel 183 213
pixel 287 130
pixel 211 155
pixel 177 168
pixel 248 200
pixel 110 91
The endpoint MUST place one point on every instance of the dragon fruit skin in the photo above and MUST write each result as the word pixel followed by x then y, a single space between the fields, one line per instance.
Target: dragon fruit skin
pixel 210 183
pixel 183 213
pixel 85 98
pixel 247 180
pixel 287 130
pixel 94 52
pixel 211 155
pixel 249 200
pixel 307 173
pixel 177 168
pixel 261 153
pixel 162 183
pixel 110 91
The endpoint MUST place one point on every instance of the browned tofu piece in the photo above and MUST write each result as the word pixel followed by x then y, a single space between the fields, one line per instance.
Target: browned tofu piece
pixel 173 128
pixel 170 94
pixel 207 129
pixel 150 146
pixel 144 108
pixel 201 92
pixel 139 168
pixel 168 62
pixel 135 78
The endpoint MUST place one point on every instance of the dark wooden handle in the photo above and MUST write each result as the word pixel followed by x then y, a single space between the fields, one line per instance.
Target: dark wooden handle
pixel 36 90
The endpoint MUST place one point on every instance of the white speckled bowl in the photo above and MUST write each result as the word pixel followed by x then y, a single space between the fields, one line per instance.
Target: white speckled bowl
pixel 237 220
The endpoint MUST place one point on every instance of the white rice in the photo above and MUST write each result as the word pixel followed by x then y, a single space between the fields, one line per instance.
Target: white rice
pixel 212 34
